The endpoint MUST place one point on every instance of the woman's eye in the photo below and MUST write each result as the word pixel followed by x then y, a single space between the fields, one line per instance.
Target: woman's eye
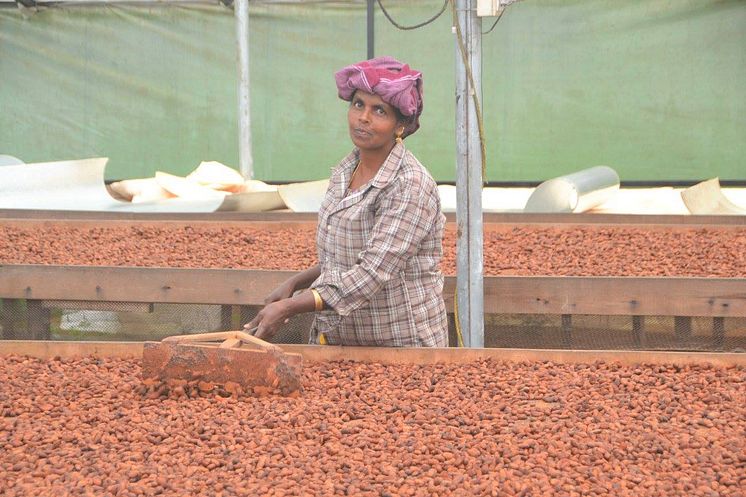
pixel 380 111
pixel 358 104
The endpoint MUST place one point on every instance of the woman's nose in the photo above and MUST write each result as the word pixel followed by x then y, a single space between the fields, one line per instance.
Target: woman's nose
pixel 365 115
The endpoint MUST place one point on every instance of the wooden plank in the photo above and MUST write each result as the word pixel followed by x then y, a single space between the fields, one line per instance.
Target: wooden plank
pixel 92 305
pixel 714 297
pixel 138 284
pixel 47 349
pixel 279 216
pixel 87 224
pixel 50 349
pixel 625 296
pixel 287 216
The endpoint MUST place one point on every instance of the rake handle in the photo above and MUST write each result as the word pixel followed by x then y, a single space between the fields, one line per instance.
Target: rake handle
pixel 224 336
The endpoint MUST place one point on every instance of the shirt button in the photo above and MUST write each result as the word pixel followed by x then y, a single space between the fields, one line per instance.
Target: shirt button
pixel 328 227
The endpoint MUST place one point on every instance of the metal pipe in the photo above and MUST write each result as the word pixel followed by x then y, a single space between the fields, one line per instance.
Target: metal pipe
pixel 469 259
pixel 371 28
pixel 245 160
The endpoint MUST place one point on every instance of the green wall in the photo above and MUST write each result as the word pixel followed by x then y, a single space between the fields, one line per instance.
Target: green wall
pixel 655 89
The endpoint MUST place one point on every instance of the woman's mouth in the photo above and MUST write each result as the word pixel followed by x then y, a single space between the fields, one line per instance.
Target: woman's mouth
pixel 361 133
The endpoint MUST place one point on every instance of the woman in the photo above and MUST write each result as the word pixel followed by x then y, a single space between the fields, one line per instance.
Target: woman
pixel 380 229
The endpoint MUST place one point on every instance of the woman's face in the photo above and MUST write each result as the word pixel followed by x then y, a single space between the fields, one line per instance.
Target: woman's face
pixel 373 123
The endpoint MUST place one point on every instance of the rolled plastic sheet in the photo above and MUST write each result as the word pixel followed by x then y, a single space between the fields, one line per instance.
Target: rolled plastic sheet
pixel 78 185
pixel 707 198
pixel 304 197
pixel 576 192
pixel 184 188
pixel 9 160
pixel 252 202
pixel 217 176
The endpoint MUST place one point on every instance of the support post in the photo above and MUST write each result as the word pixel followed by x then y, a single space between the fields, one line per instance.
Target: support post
pixel 371 28
pixel 38 320
pixel 469 263
pixel 245 160
pixel 567 331
pixel 718 333
pixel 247 312
pixel 638 331
pixel 226 317
pixel 682 329
pixel 8 318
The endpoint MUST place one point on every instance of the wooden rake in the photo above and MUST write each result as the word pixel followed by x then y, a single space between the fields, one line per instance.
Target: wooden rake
pixel 225 358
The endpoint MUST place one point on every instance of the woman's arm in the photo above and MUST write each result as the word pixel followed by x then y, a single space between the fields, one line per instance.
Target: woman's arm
pixel 305 278
pixel 298 281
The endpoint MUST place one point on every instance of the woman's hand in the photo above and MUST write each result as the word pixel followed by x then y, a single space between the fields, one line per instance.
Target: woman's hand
pixel 277 313
pixel 270 319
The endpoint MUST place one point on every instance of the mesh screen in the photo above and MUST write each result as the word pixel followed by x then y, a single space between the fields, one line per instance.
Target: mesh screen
pixel 127 321
pixel 596 332
pixel 123 321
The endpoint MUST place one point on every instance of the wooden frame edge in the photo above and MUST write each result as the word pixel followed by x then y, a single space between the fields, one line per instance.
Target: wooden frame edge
pixel 69 349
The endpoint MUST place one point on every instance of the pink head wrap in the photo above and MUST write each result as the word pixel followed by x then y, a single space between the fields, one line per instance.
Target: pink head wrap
pixel 396 84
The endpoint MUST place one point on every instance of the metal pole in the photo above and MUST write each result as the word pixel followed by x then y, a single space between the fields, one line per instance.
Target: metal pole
pixel 245 161
pixel 469 262
pixel 371 30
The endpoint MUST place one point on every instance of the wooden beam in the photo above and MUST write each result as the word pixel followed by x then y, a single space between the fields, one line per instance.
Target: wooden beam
pixel 50 349
pixel 187 217
pixel 311 217
pixel 623 296
pixel 139 284
pixel 86 224
pixel 712 297
pixel 89 305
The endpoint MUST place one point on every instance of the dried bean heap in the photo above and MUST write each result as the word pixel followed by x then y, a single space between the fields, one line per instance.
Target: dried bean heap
pixel 81 427
pixel 527 250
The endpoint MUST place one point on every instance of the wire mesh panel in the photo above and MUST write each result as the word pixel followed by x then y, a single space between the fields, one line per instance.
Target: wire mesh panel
pixel 132 321
pixel 598 332
pixel 22 319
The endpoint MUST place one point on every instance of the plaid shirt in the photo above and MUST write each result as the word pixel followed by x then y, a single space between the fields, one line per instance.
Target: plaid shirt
pixel 379 248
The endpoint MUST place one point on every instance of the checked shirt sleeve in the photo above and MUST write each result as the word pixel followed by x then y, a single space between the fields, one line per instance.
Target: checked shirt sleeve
pixel 404 217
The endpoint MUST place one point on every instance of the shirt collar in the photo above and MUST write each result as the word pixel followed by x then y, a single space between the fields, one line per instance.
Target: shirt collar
pixel 385 173
pixel 390 166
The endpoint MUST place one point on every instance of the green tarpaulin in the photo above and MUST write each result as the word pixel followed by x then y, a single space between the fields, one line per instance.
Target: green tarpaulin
pixel 655 89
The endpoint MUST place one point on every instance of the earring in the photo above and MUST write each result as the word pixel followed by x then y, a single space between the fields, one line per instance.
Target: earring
pixel 399 139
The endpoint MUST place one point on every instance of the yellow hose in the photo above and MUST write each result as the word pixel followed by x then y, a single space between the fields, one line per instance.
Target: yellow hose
pixel 459 336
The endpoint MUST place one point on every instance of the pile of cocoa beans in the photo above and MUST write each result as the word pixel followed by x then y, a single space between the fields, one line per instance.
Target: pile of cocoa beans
pixel 84 427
